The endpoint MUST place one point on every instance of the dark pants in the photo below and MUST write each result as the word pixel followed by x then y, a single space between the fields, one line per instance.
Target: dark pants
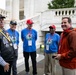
pixel 14 68
pixel 33 58
pixel 2 69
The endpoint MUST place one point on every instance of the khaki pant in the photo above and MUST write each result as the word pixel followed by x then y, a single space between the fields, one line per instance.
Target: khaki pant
pixel 66 71
pixel 49 64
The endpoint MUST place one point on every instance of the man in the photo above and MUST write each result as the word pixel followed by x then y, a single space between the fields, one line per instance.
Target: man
pixel 15 39
pixel 51 48
pixel 67 49
pixel 6 50
pixel 29 37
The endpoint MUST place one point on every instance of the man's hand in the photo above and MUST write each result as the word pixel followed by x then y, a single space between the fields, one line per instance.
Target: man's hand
pixel 58 56
pixel 6 67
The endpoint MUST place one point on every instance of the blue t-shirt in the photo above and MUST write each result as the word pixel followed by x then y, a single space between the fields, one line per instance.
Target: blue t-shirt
pixel 51 42
pixel 29 38
pixel 14 36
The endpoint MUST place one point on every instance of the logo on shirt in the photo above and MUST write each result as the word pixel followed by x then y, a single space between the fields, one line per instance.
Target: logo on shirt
pixel 13 39
pixel 29 36
pixel 49 41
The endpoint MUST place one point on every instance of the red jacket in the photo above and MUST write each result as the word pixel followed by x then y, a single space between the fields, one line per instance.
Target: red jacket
pixel 67 49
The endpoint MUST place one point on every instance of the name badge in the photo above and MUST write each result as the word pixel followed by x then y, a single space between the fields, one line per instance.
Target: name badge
pixel 29 42
pixel 47 47
pixel 15 46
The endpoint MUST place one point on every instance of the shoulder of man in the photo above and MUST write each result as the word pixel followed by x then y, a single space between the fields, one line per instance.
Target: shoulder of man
pixel 74 29
pixel 73 32
pixel 34 30
pixel 57 34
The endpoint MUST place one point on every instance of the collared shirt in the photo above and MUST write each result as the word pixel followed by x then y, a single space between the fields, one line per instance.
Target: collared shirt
pixel 2 62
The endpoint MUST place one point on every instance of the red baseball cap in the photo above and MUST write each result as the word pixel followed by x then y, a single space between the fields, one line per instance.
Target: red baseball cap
pixel 29 21
pixel 52 26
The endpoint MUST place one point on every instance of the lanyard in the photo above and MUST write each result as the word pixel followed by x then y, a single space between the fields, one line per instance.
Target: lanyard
pixel 13 35
pixel 6 36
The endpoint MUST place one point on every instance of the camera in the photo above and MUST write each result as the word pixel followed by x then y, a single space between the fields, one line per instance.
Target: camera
pixel 53 56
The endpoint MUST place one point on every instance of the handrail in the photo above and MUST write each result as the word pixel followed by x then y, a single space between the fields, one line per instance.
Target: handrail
pixel 22 24
pixel 4 13
pixel 53 16
pixel 49 17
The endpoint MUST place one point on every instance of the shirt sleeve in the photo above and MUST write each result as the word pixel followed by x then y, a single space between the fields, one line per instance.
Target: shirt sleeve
pixel 72 45
pixel 35 35
pixel 2 62
pixel 18 38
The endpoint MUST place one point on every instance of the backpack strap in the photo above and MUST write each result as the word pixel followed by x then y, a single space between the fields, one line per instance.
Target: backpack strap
pixel 6 36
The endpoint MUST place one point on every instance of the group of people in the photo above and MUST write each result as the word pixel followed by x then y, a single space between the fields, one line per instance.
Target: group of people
pixel 57 47
pixel 9 41
pixel 61 48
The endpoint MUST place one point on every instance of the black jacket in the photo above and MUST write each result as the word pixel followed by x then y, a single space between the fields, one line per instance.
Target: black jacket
pixel 6 48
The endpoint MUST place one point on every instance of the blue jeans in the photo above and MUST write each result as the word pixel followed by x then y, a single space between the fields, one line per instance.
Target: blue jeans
pixel 14 67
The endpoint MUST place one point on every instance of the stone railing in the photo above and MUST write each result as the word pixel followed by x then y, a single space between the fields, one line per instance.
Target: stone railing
pixel 45 19
pixel 4 13
pixel 64 12
pixel 54 16
pixel 22 23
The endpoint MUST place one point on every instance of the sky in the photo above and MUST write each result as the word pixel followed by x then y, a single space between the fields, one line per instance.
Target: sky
pixel 2 4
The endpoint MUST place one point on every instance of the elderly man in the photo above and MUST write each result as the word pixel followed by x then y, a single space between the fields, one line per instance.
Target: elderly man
pixel 6 50
pixel 29 37
pixel 51 48
pixel 15 40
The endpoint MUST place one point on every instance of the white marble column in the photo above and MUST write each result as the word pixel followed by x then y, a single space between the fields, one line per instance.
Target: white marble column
pixel 15 9
pixel 28 8
pixel 75 3
pixel 8 7
pixel 32 7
